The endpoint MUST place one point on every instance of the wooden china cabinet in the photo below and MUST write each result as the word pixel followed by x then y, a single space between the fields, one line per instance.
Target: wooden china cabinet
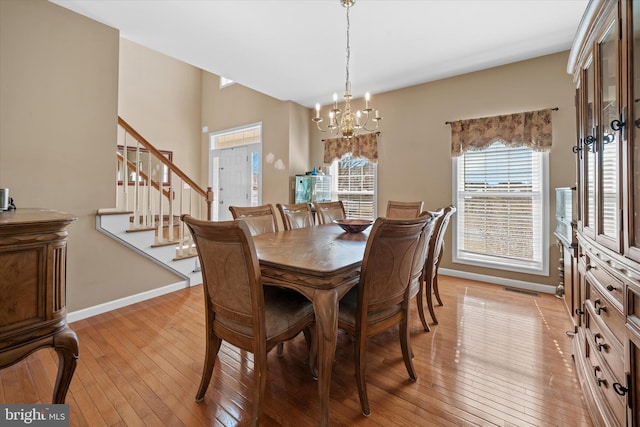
pixel 605 63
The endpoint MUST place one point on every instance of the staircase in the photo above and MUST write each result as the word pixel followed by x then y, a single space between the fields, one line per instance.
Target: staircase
pixel 183 261
pixel 151 195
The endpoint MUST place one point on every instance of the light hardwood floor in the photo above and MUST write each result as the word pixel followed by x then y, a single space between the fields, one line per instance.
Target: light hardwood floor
pixel 497 358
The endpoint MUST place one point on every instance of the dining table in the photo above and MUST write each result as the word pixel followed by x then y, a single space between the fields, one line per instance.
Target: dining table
pixel 322 262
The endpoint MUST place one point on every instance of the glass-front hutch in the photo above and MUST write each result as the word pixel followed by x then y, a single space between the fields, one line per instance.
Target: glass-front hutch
pixel 605 63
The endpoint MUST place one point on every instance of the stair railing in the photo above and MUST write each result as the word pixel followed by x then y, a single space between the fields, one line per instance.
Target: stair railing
pixel 160 195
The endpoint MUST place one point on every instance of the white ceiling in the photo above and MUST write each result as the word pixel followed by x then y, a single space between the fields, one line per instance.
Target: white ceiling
pixel 296 49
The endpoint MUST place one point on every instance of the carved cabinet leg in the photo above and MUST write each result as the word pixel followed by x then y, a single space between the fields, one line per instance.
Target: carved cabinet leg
pixel 66 345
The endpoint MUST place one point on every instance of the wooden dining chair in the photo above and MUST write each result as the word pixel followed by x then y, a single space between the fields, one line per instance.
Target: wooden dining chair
pixel 297 215
pixel 416 282
pixel 260 219
pixel 381 298
pixel 326 212
pixel 434 256
pixel 397 209
pixel 239 309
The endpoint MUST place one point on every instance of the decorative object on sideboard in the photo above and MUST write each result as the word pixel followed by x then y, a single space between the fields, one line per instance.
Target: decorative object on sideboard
pixel 6 202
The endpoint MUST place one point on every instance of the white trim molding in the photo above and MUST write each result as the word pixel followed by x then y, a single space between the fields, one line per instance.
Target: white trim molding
pixel 519 284
pixel 123 302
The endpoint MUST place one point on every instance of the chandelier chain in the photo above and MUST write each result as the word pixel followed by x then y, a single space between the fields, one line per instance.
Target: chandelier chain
pixel 348 44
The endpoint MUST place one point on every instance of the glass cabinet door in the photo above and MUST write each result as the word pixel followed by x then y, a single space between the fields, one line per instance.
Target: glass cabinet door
pixel 633 129
pixel 589 150
pixel 609 128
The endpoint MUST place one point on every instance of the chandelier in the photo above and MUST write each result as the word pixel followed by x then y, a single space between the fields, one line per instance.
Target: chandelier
pixel 347 123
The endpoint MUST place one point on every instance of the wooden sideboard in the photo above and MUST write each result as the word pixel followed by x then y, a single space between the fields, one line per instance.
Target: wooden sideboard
pixel 33 258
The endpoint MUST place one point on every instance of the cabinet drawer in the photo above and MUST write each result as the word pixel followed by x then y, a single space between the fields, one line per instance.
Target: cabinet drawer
pixel 604 309
pixel 609 285
pixel 602 381
pixel 603 341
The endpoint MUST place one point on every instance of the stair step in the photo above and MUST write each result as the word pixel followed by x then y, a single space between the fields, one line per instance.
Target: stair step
pixel 112 211
pixel 178 258
pixel 166 243
pixel 136 230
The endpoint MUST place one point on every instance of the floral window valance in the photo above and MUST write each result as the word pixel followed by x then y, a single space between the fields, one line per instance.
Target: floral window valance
pixel 529 129
pixel 365 146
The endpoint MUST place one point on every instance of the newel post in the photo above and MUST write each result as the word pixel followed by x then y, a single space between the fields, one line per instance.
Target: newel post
pixel 209 203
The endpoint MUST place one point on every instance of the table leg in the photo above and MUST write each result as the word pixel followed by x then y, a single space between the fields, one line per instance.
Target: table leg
pixel 66 345
pixel 325 305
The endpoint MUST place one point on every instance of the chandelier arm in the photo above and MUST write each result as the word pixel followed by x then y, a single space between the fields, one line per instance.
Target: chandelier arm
pixel 329 128
pixel 371 130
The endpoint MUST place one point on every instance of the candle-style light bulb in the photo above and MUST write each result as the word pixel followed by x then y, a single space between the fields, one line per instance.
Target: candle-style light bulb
pixel 317 110
pixel 335 100
pixel 367 97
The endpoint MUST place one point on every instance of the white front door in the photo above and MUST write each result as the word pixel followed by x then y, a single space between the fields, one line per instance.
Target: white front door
pixel 231 171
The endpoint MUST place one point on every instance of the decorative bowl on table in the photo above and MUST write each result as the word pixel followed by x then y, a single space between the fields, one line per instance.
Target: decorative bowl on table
pixel 353 225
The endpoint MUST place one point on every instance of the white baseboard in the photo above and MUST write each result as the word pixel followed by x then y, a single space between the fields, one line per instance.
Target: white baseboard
pixel 123 302
pixel 143 296
pixel 519 284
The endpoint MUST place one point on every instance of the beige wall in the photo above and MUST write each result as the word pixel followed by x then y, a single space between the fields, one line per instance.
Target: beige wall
pixel 414 151
pixel 58 110
pixel 161 98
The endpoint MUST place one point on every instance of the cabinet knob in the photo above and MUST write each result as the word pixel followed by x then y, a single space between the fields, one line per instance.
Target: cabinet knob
pixel 600 346
pixel 589 143
pixel 591 267
pixel 611 288
pixel 617 125
pixel 599 308
pixel 600 381
pixel 620 389
pixel 579 312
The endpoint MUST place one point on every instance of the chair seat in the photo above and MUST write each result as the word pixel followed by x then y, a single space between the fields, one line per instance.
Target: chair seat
pixel 283 309
pixel 348 304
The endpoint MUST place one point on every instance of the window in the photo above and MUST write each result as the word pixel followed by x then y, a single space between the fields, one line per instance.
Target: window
pixel 246 135
pixel 354 182
pixel 502 200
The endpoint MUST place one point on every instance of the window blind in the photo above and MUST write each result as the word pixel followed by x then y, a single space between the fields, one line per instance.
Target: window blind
pixel 355 183
pixel 610 188
pixel 501 212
